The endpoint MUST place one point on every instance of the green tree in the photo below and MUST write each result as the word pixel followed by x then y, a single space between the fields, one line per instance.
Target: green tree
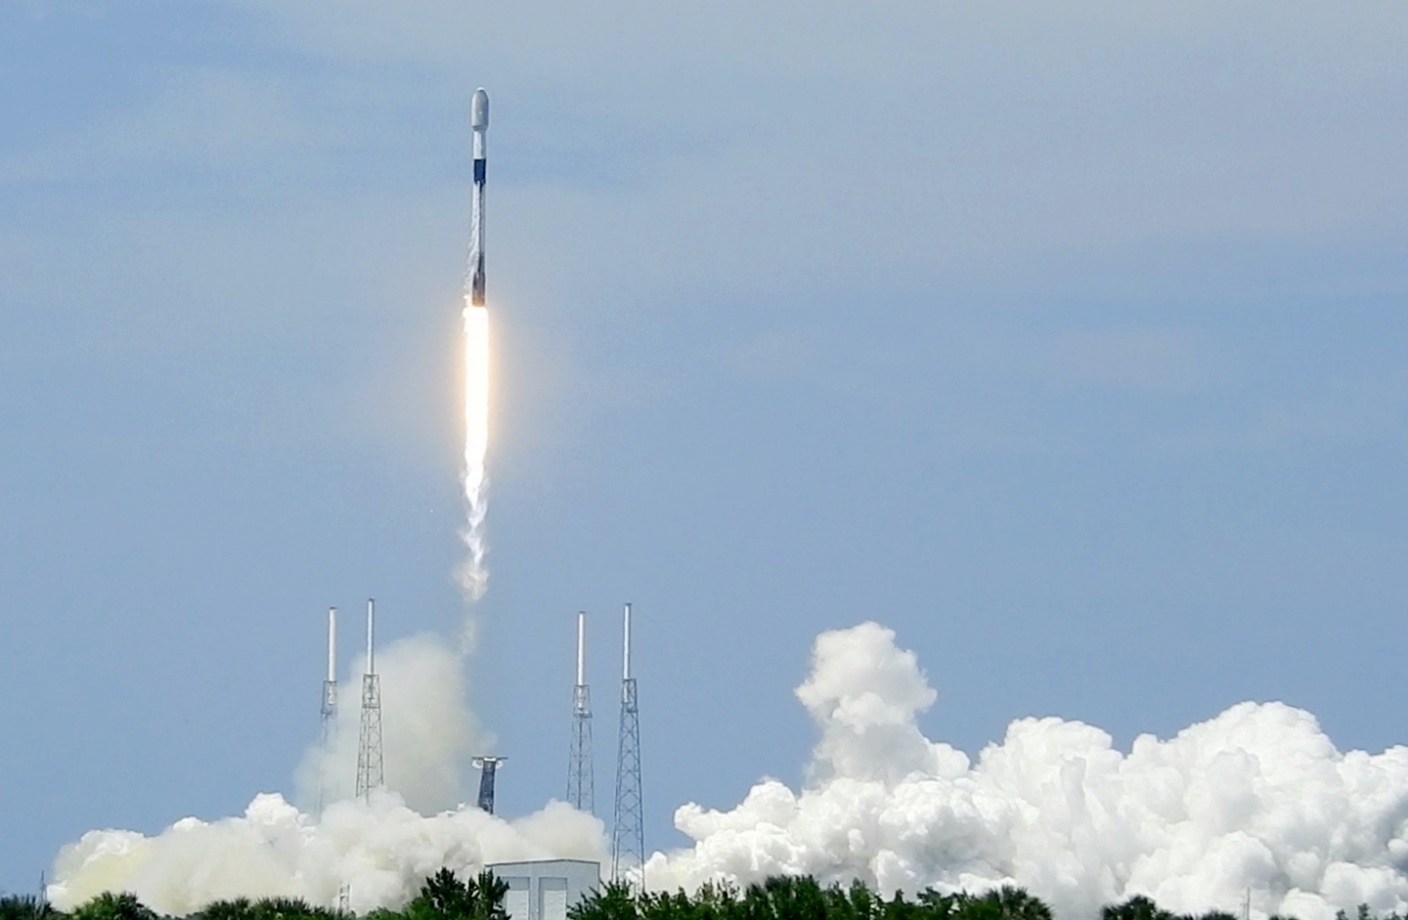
pixel 1005 903
pixel 612 901
pixel 287 909
pixel 231 909
pixel 934 905
pixel 487 894
pixel 785 897
pixel 717 901
pixel 381 913
pixel 1217 915
pixel 26 907
pixel 897 908
pixel 113 906
pixel 443 896
pixel 1138 907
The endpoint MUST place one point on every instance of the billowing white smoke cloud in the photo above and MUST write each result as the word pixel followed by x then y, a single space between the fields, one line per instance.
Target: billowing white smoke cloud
pixel 428 729
pixel 1255 799
pixel 382 850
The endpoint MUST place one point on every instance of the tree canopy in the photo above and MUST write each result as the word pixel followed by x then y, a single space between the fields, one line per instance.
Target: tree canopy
pixel 445 896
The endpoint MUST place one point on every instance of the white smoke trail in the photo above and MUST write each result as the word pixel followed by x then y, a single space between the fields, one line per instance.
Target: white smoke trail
pixel 1257 798
pixel 474 574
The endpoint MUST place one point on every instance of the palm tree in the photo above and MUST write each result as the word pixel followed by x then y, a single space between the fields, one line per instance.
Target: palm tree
pixel 855 903
pixel 442 897
pixel 231 909
pixel 286 909
pixel 486 897
pixel 1005 903
pixel 715 900
pixel 25 907
pixel 897 908
pixel 111 906
pixel 936 906
pixel 612 901
pixel 1137 907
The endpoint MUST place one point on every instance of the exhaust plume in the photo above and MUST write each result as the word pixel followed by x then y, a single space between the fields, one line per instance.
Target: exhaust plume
pixel 381 850
pixel 474 573
pixel 1257 799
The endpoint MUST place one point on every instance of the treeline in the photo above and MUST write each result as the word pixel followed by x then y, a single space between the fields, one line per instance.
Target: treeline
pixel 444 896
pixel 803 898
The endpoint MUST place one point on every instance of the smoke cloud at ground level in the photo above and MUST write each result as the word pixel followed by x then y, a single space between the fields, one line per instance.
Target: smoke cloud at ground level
pixel 1254 800
pixel 384 848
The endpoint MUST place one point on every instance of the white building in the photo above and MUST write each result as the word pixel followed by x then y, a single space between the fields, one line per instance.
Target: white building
pixel 543 889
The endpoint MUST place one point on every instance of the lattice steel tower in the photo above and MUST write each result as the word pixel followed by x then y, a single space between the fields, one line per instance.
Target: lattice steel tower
pixel 628 829
pixel 369 760
pixel 581 784
pixel 329 709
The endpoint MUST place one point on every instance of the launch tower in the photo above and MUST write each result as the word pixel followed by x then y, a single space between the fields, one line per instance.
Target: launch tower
pixel 329 708
pixel 628 828
pixel 581 784
pixel 369 759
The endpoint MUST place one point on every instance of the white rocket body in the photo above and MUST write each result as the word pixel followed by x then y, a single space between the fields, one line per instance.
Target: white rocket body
pixel 479 124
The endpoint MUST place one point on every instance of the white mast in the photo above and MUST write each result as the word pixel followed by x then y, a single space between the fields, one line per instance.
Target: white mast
pixel 626 647
pixel 332 644
pixel 581 647
pixel 371 635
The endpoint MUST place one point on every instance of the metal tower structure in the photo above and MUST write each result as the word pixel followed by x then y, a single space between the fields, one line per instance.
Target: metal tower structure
pixel 628 828
pixel 488 769
pixel 369 760
pixel 329 709
pixel 581 783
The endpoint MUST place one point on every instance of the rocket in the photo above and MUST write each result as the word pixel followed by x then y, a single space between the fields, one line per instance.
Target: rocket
pixel 479 124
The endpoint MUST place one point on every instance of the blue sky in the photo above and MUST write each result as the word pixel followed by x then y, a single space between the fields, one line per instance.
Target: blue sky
pixel 1066 342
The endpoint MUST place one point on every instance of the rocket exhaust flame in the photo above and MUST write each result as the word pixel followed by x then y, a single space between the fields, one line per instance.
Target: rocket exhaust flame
pixel 474 574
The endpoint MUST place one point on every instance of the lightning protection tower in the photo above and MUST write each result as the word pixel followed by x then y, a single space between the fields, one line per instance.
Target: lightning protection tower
pixel 369 760
pixel 488 769
pixel 329 709
pixel 581 784
pixel 628 828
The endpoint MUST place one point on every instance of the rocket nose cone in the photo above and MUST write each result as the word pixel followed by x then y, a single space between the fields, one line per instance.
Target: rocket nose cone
pixel 479 110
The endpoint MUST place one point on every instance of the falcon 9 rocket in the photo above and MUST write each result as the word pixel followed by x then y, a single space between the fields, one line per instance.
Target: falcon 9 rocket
pixel 479 123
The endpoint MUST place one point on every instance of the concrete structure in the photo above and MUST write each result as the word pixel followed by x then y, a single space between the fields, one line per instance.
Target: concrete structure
pixel 543 889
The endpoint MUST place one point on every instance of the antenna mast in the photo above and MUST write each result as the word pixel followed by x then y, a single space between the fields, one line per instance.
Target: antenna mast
pixel 628 830
pixel 369 759
pixel 581 785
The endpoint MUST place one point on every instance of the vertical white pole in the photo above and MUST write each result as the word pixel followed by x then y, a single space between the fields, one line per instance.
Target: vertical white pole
pixel 371 636
pixel 626 651
pixel 581 647
pixel 332 643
